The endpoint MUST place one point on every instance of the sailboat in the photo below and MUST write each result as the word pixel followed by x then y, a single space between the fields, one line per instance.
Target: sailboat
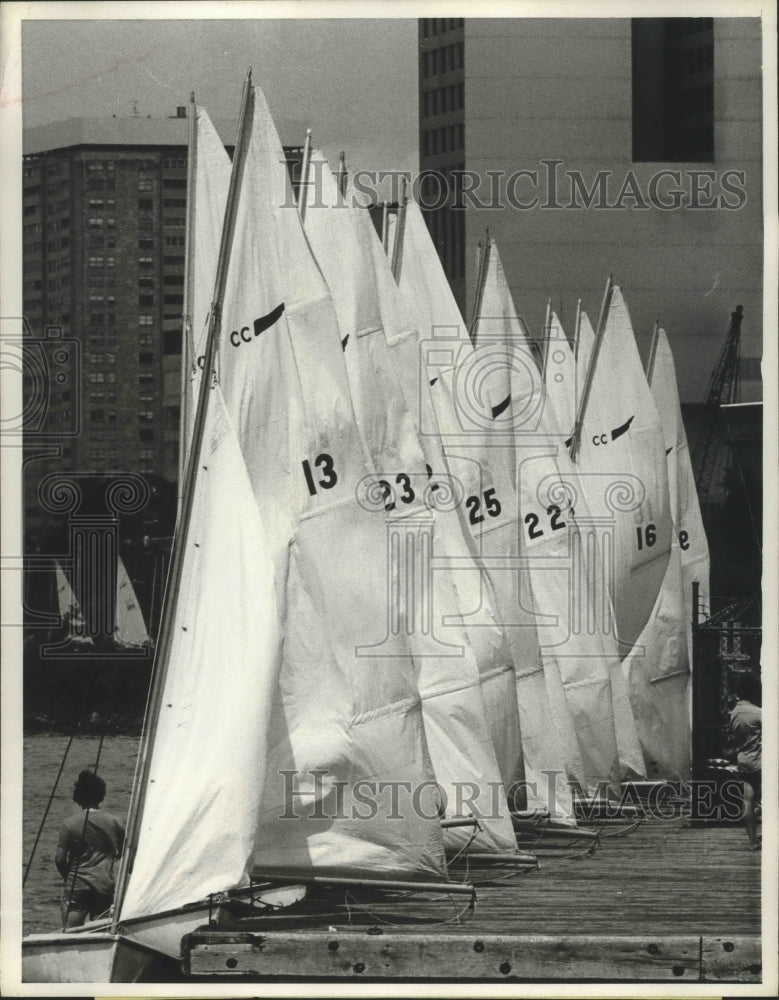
pixel 469 445
pixel 447 674
pixel 264 724
pixel 560 549
pixel 130 630
pixel 70 610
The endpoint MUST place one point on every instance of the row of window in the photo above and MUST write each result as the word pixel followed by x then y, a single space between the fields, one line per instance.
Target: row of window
pixel 443 60
pixel 442 100
pixel 94 166
pixel 438 25
pixel 449 139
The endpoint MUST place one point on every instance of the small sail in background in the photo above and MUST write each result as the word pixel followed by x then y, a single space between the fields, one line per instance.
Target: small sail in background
pixel 70 609
pixel 129 627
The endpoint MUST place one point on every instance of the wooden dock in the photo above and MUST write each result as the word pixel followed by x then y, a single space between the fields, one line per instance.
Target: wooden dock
pixel 660 901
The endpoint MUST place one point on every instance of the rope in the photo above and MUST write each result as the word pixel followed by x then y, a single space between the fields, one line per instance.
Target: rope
pixel 46 811
pixel 469 906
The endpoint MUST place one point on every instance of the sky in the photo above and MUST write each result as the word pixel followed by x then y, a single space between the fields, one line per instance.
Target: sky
pixel 352 81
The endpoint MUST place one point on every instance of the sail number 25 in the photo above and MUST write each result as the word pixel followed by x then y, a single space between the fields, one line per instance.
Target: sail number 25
pixel 328 477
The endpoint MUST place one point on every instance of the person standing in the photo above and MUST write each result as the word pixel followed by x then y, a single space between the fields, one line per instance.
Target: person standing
pixel 746 721
pixel 89 843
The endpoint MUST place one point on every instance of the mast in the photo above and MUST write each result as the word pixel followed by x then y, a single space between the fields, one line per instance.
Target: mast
pixel 650 364
pixel 384 225
pixel 342 176
pixel 481 281
pixel 604 312
pixel 175 568
pixel 188 337
pixel 577 329
pixel 400 232
pixel 303 191
pixel 545 342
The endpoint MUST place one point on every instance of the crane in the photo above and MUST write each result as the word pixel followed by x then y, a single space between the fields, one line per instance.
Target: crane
pixel 723 388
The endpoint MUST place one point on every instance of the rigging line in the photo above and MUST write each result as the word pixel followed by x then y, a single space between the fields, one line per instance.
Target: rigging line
pixel 394 923
pixel 46 810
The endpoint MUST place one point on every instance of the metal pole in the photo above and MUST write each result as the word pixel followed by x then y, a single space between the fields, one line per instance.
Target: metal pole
pixel 342 176
pixel 188 337
pixel 384 226
pixel 481 280
pixel 604 311
pixel 400 232
pixel 170 605
pixel 577 330
pixel 545 345
pixel 650 364
pixel 303 189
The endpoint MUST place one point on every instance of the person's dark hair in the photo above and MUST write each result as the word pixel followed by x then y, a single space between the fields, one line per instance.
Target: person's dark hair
pixel 89 790
pixel 747 687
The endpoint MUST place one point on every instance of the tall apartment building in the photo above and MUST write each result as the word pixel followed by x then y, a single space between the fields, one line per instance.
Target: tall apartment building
pixel 104 213
pixel 631 146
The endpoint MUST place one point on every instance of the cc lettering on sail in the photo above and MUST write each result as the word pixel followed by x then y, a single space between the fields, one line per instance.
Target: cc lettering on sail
pixel 246 334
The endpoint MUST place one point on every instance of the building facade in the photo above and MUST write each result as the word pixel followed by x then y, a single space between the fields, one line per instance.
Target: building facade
pixel 104 214
pixel 603 145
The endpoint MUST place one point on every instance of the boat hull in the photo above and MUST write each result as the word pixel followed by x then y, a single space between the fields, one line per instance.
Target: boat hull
pixel 89 957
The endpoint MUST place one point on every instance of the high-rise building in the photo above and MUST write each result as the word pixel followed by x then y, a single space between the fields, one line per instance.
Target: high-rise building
pixel 104 213
pixel 590 146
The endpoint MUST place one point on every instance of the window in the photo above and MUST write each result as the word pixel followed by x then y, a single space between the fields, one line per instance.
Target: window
pixel 145 300
pixel 145 184
pixel 673 89
pixel 174 241
pixel 171 342
pixel 145 204
pixel 174 202
pixel 95 222
pixel 95 261
pixel 146 434
pixel 145 243
pixel 146 358
pixel 145 320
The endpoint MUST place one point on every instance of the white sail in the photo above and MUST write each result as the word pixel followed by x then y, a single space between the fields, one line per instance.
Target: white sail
pixel 129 627
pixel 624 475
pixel 446 671
pixel 342 722
pixel 560 377
pixel 209 757
pixel 477 601
pixel 482 469
pixel 689 533
pixel 211 180
pixel 559 550
pixel 70 609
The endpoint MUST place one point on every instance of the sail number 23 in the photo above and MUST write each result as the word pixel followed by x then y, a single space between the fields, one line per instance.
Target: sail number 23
pixel 327 474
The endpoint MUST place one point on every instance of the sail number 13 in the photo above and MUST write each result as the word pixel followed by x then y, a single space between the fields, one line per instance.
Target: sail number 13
pixel 327 475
